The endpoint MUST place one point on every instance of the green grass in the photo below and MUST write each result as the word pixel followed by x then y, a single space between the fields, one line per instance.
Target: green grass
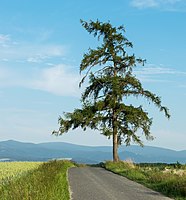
pixel 47 182
pixel 170 180
pixel 10 170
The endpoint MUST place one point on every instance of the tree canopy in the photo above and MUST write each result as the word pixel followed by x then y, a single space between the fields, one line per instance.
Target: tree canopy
pixel 109 69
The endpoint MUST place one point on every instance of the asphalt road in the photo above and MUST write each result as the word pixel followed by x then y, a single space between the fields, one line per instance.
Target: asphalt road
pixel 92 183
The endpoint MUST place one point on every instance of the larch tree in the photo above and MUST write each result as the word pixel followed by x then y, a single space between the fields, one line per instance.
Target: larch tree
pixel 109 69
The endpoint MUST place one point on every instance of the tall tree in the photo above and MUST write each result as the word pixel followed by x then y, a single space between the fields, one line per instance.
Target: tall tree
pixel 110 71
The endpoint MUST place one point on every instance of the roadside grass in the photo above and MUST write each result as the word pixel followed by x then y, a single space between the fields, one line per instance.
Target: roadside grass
pixel 169 180
pixel 48 181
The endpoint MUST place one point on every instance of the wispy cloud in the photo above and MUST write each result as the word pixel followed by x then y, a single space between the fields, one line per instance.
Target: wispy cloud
pixel 170 5
pixel 144 3
pixel 39 53
pixel 33 65
pixel 63 81
pixel 153 73
pixel 155 70
pixel 4 40
pixel 28 51
pixel 56 79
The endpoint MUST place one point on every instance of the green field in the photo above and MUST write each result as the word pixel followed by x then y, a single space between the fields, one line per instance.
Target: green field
pixel 10 170
pixel 34 180
pixel 37 180
pixel 170 180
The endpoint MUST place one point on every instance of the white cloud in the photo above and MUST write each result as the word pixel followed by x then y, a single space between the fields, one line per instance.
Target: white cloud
pixel 62 80
pixel 171 5
pixel 153 73
pixel 32 53
pixel 28 51
pixel 34 67
pixel 152 69
pixel 155 70
pixel 4 39
pixel 144 3
pixel 57 80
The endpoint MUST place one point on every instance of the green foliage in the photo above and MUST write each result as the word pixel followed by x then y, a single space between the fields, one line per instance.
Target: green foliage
pixel 109 68
pixel 161 177
pixel 49 181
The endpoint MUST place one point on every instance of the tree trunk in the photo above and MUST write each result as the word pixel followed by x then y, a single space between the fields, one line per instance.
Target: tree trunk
pixel 115 139
pixel 115 146
pixel 114 120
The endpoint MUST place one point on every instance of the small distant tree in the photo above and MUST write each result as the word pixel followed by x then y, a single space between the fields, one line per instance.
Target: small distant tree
pixel 109 69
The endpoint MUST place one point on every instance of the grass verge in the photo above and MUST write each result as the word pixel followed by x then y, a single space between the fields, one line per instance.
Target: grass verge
pixel 49 181
pixel 166 179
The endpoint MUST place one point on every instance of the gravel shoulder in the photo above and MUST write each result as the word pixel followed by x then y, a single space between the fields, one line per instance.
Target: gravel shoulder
pixel 93 183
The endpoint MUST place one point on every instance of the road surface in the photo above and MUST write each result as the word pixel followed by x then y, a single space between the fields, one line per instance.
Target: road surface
pixel 93 183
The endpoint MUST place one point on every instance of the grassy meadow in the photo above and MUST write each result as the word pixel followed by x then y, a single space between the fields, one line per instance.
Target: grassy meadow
pixel 34 181
pixel 170 180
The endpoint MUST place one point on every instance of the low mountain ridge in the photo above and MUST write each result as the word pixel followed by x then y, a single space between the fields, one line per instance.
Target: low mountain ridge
pixel 20 151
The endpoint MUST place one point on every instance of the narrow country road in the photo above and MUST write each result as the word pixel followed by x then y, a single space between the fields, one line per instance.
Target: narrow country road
pixel 93 183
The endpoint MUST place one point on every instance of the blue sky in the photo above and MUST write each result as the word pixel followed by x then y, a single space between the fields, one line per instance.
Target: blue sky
pixel 42 44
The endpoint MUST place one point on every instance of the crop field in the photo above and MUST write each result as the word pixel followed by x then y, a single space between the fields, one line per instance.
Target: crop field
pixel 169 179
pixel 10 170
pixel 34 180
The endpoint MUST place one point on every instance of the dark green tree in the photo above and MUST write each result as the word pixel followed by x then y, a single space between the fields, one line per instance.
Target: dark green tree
pixel 109 69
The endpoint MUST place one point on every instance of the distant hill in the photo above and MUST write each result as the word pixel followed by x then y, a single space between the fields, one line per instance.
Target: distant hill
pixel 19 151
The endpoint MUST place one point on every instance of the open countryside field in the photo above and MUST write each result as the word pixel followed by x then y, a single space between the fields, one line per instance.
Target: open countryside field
pixel 9 170
pixel 34 181
pixel 37 180
pixel 169 179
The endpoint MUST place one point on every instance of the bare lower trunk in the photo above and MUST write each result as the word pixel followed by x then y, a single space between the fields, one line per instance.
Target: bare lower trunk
pixel 115 145
pixel 114 120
